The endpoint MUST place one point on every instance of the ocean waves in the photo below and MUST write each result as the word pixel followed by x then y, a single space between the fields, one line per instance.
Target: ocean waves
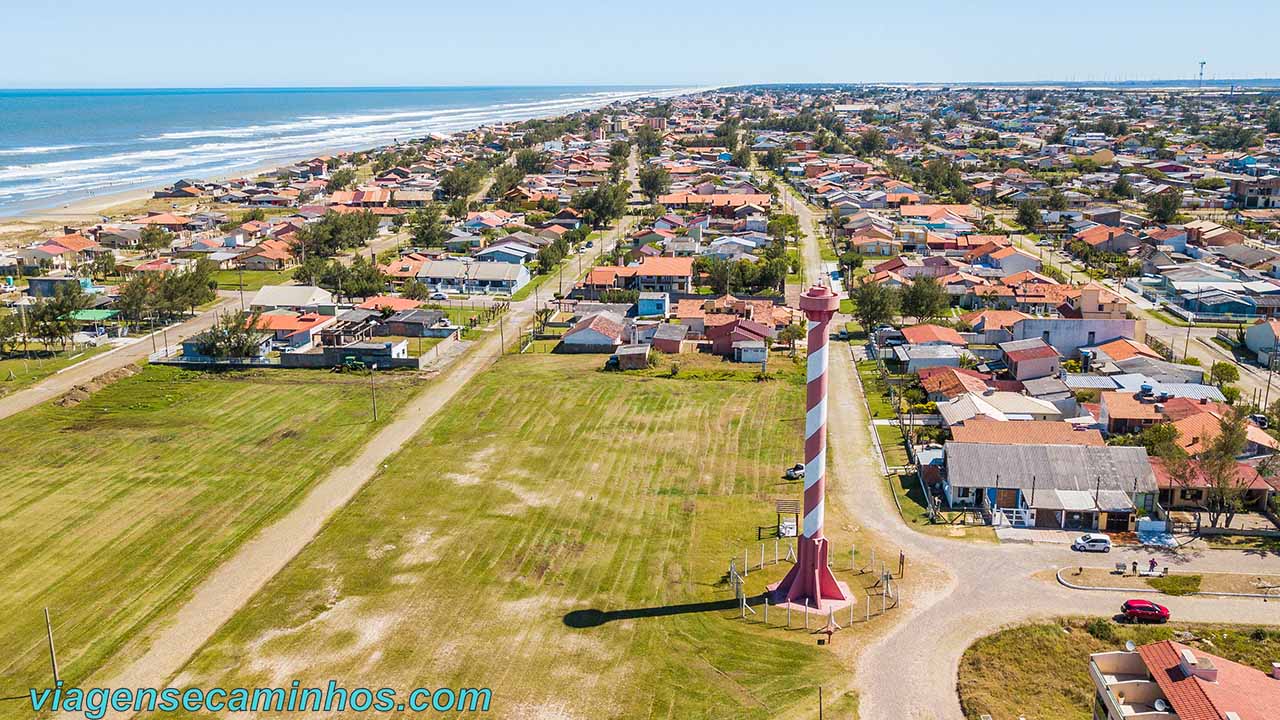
pixel 35 173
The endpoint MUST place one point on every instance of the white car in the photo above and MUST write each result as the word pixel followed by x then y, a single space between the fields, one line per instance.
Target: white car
pixel 1092 542
pixel 438 296
pixel 795 472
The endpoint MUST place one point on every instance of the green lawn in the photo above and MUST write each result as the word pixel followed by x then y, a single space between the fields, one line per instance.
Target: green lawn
pixel 253 279
pixel 1039 671
pixel 418 346
pixel 875 389
pixel 18 371
pixel 543 536
pixel 893 445
pixel 110 510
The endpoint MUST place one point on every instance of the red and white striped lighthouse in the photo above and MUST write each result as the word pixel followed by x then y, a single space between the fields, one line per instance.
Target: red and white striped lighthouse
pixel 810 581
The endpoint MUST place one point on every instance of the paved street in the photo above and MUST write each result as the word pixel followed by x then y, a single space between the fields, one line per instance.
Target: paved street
pixel 957 591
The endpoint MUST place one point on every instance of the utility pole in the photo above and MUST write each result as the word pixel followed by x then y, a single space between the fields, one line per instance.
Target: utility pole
pixel 373 393
pixel 1271 368
pixel 241 287
pixel 1187 346
pixel 53 657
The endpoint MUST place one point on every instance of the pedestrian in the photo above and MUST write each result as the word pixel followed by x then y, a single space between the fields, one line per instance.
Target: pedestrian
pixel 1151 565
pixel 1135 567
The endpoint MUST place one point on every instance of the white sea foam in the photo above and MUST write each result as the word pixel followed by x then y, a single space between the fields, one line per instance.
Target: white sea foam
pixel 231 149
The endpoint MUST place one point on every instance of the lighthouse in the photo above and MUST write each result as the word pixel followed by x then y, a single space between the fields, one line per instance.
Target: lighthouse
pixel 810 582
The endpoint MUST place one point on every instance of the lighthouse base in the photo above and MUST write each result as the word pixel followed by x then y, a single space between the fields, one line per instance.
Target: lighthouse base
pixel 810 583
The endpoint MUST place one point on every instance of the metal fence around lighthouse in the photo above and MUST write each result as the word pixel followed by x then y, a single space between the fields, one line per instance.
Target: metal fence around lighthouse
pixel 878 576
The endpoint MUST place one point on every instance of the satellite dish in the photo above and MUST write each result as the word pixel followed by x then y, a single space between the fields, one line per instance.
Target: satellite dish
pixel 1130 646
pixel 1160 705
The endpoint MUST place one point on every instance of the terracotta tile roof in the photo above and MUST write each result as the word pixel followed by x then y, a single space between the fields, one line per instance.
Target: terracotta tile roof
pixel 917 334
pixel 1195 432
pixel 388 301
pixel 1036 353
pixel 951 383
pixel 993 319
pixel 1027 432
pixel 1123 349
pixel 1179 407
pixel 1246 691
pixel 1125 406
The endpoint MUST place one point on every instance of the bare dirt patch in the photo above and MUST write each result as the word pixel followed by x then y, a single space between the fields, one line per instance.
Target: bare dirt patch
pixel 80 393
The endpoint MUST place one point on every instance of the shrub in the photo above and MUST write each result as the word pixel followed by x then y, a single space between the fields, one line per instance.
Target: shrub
pixel 1101 629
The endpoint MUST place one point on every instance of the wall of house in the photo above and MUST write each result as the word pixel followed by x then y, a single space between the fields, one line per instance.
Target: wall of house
pixel 1068 335
pixel 1035 368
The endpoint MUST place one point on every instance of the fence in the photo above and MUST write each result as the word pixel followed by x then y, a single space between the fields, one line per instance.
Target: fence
pixel 887 587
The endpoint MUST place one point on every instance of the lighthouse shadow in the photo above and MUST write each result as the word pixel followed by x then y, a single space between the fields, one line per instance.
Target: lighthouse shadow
pixel 582 619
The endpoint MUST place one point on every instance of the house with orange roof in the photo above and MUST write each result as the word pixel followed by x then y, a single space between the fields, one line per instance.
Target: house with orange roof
pixel 1127 412
pixel 949 383
pixel 168 221
pixel 297 331
pixel 394 303
pixel 929 334
pixel 1104 238
pixel 1168 680
pixel 271 254
pixel 981 429
pixel 651 274
pixel 1122 349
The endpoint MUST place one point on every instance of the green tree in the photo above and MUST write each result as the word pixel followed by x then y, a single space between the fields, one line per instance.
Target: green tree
pixel 232 337
pixel 104 264
pixel 1122 188
pixel 1057 201
pixel 1028 215
pixel 791 335
pixel 153 238
pixel 872 142
pixel 743 158
pixel 648 141
pixel 427 227
pixel 874 304
pixel 654 181
pixel 415 289
pixel 1164 206
pixel 924 299
pixel 1224 373
pixel 340 179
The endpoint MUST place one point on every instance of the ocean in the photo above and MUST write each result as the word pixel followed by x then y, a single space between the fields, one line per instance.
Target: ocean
pixel 58 146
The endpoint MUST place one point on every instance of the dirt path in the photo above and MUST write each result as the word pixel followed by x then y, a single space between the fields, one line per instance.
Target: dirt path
pixel 80 373
pixel 234 583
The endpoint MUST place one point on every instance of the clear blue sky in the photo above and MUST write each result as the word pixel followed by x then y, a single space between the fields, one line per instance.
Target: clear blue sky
pixel 142 43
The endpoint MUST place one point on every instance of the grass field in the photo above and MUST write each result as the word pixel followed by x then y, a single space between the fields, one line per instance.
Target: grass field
pixel 1040 672
pixel 572 519
pixel 18 372
pixel 111 509
pixel 253 279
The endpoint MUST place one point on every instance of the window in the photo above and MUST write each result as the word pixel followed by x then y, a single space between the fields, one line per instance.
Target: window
pixel 1092 334
pixel 1045 336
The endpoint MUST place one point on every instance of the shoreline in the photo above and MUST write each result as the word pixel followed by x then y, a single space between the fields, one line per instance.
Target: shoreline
pixel 94 208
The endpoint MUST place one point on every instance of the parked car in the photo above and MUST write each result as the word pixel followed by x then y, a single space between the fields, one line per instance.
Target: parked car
pixel 438 296
pixel 1144 611
pixel 591 243
pixel 795 472
pixel 1092 542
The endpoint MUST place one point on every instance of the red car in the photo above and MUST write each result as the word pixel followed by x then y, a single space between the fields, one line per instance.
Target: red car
pixel 1144 611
